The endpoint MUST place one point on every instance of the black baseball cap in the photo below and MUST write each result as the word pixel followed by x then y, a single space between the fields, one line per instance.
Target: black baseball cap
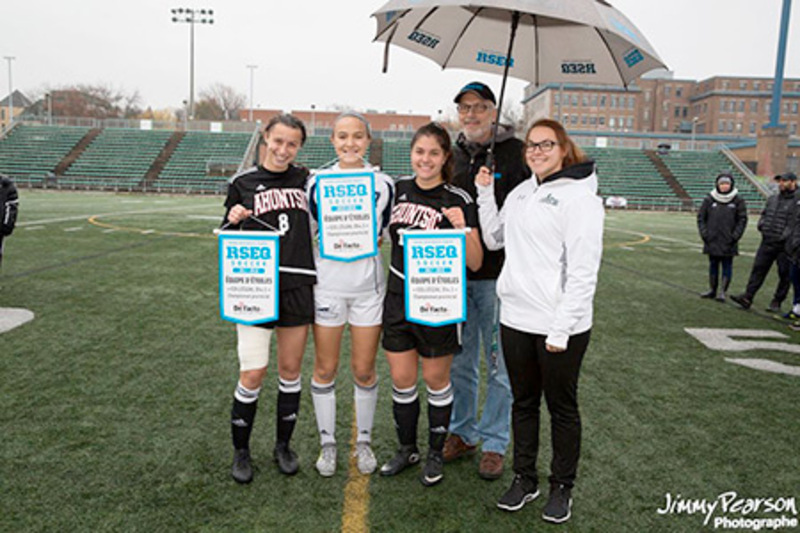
pixel 481 89
pixel 786 176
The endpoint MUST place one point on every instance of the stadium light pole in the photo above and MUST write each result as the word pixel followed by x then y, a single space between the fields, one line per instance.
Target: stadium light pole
pixel 252 69
pixel 777 87
pixel 10 93
pixel 313 121
pixel 694 129
pixel 192 16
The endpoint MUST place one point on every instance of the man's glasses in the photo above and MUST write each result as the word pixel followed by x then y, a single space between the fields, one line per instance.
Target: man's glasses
pixel 464 109
pixel 544 146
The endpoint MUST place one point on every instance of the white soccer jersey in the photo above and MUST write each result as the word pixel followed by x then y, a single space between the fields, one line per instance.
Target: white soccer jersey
pixel 357 277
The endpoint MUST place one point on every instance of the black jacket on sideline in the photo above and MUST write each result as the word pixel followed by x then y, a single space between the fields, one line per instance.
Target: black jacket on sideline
pixel 510 171
pixel 9 202
pixel 722 224
pixel 776 218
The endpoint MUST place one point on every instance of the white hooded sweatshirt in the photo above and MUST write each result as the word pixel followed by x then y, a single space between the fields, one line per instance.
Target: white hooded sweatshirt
pixel 553 237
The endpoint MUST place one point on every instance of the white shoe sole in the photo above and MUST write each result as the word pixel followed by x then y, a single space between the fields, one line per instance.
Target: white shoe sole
pixel 555 520
pixel 528 498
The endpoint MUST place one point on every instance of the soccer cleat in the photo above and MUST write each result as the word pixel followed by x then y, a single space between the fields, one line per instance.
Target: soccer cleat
pixel 326 462
pixel 406 456
pixel 522 491
pixel 365 459
pixel 242 470
pixel 708 294
pixel 455 448
pixel 286 459
pixel 742 300
pixel 559 505
pixel 774 307
pixel 433 470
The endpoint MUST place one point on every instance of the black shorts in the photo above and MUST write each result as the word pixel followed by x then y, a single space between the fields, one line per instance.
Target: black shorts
pixel 400 335
pixel 295 308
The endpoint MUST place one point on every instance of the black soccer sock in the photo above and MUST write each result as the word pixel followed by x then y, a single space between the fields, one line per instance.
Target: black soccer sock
pixel 405 406
pixel 243 413
pixel 440 404
pixel 288 406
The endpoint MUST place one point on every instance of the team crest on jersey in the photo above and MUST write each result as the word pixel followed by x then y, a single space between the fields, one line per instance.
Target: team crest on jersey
pixel 278 200
pixel 415 215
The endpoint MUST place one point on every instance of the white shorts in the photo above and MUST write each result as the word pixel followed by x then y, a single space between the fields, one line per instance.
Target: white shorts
pixel 332 310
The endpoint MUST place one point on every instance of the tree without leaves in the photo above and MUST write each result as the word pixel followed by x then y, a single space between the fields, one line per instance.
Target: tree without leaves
pixel 219 102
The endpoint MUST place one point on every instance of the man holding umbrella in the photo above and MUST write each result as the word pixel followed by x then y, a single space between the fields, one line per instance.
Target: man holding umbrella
pixel 477 113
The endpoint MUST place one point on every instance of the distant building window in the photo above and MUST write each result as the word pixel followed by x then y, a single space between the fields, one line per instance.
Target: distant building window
pixel 754 106
pixel 664 125
pixel 685 112
pixel 743 85
pixel 556 98
pixel 613 102
pixel 575 99
pixel 667 90
pixel 602 100
pixel 756 85
pixel 723 105
pixel 679 92
pixel 593 120
pixel 721 126
pixel 677 111
pixel 647 114
pixel 752 127
pixel 573 119
pixel 594 100
pixel 741 106
pixel 647 96
pixel 630 122
pixel 794 108
pixel 794 128
pixel 725 85
pixel 730 126
pixel 738 127
pixel 611 122
pixel 583 119
pixel 565 119
pixel 585 101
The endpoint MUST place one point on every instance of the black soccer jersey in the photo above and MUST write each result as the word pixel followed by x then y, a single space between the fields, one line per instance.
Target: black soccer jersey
pixel 278 201
pixel 418 208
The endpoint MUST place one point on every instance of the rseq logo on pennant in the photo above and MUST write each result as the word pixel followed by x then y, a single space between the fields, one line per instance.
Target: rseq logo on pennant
pixel 494 59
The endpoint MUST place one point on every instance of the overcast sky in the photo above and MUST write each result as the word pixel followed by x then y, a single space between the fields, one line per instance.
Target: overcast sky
pixel 322 53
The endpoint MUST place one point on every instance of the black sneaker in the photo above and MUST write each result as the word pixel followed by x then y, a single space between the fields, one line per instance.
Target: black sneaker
pixel 559 504
pixel 286 459
pixel 433 471
pixel 242 470
pixel 406 456
pixel 522 491
pixel 774 307
pixel 743 301
pixel 708 294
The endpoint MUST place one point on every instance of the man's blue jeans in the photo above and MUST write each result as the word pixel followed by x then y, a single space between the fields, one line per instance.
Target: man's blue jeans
pixel 480 335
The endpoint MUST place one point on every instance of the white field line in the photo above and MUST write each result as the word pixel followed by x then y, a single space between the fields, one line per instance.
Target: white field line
pixel 114 213
pixel 76 228
pixel 690 244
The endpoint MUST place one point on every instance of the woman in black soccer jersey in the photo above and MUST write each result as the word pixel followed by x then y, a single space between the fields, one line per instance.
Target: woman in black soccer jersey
pixel 271 196
pixel 426 201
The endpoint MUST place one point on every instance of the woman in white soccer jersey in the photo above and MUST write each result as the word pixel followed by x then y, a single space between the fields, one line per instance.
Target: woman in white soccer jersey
pixel 272 196
pixel 426 201
pixel 349 293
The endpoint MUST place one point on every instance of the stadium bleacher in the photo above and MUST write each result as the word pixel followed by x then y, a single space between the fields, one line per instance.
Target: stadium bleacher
pixel 696 170
pixel 118 157
pixel 29 153
pixel 629 173
pixel 202 160
pixel 396 158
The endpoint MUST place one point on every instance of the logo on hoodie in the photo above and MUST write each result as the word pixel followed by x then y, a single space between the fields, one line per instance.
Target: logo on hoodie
pixel 549 200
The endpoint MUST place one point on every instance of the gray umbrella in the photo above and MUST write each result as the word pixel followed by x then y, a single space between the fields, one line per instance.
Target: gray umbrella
pixel 541 41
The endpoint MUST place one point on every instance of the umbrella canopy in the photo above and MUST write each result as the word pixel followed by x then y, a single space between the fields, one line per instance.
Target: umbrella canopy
pixel 557 41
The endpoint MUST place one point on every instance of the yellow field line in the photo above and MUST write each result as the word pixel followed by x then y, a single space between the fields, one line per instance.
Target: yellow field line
pixel 356 493
pixel 95 222
pixel 645 239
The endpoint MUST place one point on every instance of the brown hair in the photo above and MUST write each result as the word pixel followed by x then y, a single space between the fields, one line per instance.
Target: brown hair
pixel 572 152
pixel 438 132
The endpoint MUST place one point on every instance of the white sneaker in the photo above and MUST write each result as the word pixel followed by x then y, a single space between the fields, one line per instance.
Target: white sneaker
pixel 365 458
pixel 326 462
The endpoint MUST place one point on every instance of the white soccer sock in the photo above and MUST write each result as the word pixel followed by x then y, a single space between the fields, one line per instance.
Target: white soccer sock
pixel 324 397
pixel 365 399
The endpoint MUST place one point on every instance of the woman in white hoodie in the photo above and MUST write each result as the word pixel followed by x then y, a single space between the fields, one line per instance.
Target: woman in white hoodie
pixel 552 230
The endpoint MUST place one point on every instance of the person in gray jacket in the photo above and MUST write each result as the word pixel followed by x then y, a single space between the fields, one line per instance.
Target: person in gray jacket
pixel 775 227
pixel 721 220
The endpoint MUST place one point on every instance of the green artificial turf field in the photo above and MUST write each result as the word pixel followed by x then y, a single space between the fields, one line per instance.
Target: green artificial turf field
pixel 116 397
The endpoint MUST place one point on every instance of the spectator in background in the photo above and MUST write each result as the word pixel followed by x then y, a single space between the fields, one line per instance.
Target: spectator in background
pixel 775 226
pixel 9 204
pixel 721 221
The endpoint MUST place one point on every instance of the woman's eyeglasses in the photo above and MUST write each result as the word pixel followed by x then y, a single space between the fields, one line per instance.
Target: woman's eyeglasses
pixel 544 146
